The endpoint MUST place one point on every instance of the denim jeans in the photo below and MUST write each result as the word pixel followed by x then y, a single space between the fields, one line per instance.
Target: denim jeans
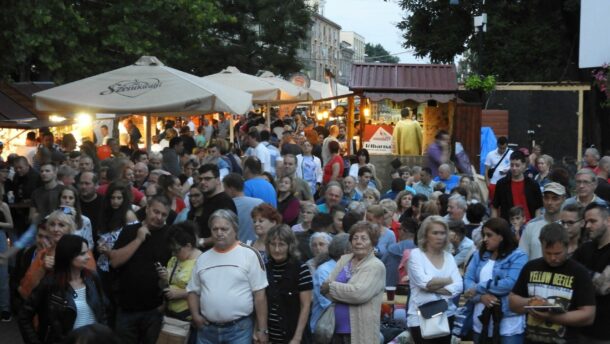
pixel 238 333
pixel 515 339
pixel 139 327
pixel 5 300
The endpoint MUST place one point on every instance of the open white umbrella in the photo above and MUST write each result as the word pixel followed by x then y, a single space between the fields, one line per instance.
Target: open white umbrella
pixel 325 91
pixel 148 86
pixel 297 92
pixel 261 90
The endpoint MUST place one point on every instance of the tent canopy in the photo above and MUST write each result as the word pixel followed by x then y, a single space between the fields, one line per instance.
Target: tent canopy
pixel 148 86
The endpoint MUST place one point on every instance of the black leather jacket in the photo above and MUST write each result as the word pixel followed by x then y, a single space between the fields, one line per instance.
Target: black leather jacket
pixel 56 310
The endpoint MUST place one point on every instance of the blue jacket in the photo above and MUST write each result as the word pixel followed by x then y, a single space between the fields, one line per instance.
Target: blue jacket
pixel 504 276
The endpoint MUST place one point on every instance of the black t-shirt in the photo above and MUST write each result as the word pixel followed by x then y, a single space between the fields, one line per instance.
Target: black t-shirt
pixel 138 279
pixel 46 200
pixel 23 186
pixel 596 260
pixel 568 285
pixel 210 205
pixel 93 211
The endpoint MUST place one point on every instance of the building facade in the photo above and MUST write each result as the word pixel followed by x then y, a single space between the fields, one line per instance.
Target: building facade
pixel 345 63
pixel 357 42
pixel 322 49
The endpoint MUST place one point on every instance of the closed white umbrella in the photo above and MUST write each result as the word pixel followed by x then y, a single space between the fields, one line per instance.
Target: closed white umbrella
pixel 148 86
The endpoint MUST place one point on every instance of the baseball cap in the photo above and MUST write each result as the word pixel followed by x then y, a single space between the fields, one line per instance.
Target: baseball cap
pixel 555 188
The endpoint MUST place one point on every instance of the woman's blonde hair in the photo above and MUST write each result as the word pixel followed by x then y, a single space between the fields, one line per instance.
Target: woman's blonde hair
pixel 372 192
pixel 61 216
pixel 422 233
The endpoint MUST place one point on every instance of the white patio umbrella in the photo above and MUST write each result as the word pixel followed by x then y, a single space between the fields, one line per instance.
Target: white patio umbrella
pixel 298 93
pixel 148 86
pixel 261 90
pixel 324 89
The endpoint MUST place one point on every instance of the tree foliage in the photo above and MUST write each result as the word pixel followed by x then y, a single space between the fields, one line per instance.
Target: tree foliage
pixel 534 40
pixel 69 40
pixel 377 53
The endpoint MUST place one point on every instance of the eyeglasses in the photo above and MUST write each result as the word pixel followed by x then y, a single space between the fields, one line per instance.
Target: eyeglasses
pixel 584 182
pixel 569 223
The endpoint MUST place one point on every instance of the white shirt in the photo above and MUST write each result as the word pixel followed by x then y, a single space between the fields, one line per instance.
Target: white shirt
pixel 509 326
pixel 421 271
pixel 225 282
pixel 263 154
pixel 492 159
pixel 530 242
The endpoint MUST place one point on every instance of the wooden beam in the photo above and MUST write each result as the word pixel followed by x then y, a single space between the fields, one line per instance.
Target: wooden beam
pixel 580 124
pixel 350 124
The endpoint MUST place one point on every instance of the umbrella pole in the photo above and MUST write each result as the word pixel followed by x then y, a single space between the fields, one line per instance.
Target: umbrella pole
pixel 268 116
pixel 148 132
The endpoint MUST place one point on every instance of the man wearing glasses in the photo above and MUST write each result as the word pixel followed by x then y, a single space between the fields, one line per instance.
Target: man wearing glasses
pixel 586 182
pixel 595 256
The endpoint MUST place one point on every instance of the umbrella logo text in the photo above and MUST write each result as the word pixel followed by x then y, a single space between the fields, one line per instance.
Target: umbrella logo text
pixel 132 88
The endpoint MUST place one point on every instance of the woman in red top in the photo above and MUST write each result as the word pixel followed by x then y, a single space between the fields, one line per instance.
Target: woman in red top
pixel 333 170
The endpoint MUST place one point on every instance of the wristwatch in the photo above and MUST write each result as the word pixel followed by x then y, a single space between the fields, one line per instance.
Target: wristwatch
pixel 262 330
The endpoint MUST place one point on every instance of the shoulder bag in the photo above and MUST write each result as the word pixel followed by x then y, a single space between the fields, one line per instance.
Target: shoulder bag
pixel 325 328
pixel 491 171
pixel 433 321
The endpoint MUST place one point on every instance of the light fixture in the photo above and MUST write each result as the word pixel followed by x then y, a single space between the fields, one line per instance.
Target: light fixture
pixel 56 118
pixel 84 119
pixel 319 116
pixel 367 112
pixel 325 114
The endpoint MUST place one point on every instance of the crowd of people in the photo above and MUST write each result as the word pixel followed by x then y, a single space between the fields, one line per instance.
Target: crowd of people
pixel 266 238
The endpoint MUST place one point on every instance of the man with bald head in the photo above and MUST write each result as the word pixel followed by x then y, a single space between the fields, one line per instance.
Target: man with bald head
pixel 332 197
pixel 446 176
pixel 140 174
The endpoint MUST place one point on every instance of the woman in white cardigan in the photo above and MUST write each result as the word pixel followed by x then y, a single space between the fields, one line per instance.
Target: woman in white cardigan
pixel 356 286
pixel 433 275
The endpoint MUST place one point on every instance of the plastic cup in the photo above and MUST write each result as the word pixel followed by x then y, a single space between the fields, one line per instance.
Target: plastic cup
pixel 391 292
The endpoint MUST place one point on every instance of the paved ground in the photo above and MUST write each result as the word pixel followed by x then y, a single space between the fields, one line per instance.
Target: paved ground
pixel 9 333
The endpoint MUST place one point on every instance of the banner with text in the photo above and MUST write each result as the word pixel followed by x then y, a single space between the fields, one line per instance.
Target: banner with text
pixel 378 139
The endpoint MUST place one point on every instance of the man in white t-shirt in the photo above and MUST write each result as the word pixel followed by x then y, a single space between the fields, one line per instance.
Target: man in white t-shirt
pixel 502 169
pixel 259 150
pixel 227 284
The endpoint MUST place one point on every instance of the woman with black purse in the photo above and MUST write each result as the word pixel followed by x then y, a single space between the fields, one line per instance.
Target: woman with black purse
pixel 435 280
pixel 489 278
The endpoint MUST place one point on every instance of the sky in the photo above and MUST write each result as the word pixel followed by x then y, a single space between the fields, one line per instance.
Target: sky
pixel 375 20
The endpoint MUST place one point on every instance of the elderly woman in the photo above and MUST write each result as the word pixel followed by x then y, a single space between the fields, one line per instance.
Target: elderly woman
pixel 318 243
pixel 289 290
pixel 325 265
pixel 433 276
pixel 371 196
pixel 490 277
pixel 264 217
pixel 58 224
pixel 356 285
pixel 67 299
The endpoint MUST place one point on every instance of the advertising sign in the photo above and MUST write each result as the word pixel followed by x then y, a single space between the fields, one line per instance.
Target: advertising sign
pixel 378 139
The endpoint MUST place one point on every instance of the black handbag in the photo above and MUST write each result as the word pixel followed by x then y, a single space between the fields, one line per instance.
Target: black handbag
pixel 434 308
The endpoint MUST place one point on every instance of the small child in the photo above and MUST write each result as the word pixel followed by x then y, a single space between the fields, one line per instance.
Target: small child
pixel 517 220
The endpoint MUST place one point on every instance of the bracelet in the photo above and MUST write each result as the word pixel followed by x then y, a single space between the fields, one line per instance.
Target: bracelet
pixel 262 330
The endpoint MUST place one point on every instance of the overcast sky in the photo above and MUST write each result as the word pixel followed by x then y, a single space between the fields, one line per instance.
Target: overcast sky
pixel 374 19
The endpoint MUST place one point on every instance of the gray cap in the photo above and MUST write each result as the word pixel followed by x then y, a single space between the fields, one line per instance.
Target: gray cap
pixel 555 188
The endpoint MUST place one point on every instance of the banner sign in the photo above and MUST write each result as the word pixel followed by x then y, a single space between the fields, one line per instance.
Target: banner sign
pixel 378 139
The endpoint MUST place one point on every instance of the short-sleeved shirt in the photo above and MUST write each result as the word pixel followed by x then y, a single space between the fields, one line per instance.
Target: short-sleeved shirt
pixel 568 285
pixel 225 282
pixel 328 168
pixel 596 259
pixel 491 160
pixel 262 189
pixel 138 278
pixel 517 189
pixel 46 200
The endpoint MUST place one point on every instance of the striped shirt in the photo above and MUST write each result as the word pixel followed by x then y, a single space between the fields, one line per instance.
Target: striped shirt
pixel 84 314
pixel 276 334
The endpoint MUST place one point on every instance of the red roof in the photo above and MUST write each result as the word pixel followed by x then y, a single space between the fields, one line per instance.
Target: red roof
pixel 403 77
